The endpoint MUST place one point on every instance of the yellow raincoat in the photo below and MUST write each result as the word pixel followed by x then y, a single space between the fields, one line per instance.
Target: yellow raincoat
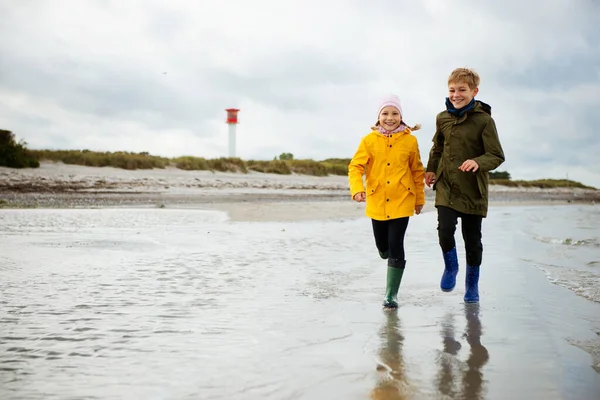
pixel 394 174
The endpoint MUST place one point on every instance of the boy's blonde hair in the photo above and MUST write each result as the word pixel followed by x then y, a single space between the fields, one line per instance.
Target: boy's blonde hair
pixel 464 75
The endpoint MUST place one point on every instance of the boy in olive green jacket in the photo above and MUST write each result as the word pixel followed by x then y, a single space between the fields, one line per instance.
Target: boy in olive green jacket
pixel 465 147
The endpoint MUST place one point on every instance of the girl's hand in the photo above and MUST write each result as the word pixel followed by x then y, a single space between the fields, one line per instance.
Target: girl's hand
pixel 469 165
pixel 418 209
pixel 429 178
pixel 360 197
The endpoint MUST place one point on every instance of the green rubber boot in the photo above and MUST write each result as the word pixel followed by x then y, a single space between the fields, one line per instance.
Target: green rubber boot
pixel 394 277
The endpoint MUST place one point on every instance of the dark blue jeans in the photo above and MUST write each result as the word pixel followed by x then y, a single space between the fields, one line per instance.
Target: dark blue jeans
pixel 471 233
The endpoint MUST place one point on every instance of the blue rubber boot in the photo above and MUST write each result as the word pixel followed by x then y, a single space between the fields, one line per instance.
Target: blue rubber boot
pixel 471 284
pixel 450 270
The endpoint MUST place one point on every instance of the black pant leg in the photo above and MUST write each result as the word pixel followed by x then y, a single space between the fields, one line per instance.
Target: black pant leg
pixel 397 231
pixel 471 231
pixel 381 235
pixel 447 220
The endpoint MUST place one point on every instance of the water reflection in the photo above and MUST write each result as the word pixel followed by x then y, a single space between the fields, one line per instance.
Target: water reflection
pixel 456 379
pixel 472 382
pixel 446 360
pixel 391 383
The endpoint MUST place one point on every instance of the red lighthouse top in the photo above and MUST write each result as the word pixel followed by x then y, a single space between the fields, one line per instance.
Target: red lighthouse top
pixel 232 115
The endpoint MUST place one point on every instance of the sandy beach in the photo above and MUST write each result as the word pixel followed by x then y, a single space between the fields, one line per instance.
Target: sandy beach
pixel 187 284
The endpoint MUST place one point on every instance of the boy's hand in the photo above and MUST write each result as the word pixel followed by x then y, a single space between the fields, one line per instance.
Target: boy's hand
pixel 469 165
pixel 360 197
pixel 418 209
pixel 429 178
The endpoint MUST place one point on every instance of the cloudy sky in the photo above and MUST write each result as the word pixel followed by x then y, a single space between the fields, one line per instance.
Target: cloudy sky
pixel 150 75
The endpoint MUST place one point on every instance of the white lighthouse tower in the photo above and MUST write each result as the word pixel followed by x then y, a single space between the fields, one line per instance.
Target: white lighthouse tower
pixel 232 121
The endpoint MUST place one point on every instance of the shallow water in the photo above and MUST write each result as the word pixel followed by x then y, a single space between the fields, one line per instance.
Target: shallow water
pixel 565 243
pixel 182 304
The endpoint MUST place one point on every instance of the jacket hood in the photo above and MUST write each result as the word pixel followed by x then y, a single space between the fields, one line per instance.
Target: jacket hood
pixel 405 131
pixel 486 108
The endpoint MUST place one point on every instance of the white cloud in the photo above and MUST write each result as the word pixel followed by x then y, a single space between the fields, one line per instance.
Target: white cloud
pixel 157 75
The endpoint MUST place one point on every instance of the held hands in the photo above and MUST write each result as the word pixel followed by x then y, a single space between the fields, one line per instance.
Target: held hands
pixel 429 178
pixel 360 197
pixel 469 165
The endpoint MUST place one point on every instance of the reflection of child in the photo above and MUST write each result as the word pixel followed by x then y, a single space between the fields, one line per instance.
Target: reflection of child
pixel 471 380
pixel 465 148
pixel 390 158
pixel 392 382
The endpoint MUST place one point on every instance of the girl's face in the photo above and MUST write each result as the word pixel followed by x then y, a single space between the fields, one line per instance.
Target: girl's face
pixel 389 118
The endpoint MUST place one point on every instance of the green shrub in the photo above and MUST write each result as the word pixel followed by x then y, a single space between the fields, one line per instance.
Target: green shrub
pixel 307 167
pixel 227 164
pixel 124 160
pixel 270 167
pixel 190 163
pixel 15 154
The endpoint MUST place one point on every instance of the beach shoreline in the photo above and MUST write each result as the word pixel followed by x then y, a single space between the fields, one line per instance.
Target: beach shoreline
pixel 261 196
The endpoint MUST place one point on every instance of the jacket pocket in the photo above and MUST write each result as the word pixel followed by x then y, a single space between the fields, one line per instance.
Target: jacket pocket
pixel 437 178
pixel 481 184
pixel 372 185
pixel 407 182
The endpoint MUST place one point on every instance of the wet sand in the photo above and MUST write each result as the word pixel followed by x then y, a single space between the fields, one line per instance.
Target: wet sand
pixel 277 295
pixel 185 303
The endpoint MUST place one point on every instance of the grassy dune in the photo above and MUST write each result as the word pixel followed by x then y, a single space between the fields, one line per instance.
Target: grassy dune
pixel 146 161
pixel 542 183
pixel 332 166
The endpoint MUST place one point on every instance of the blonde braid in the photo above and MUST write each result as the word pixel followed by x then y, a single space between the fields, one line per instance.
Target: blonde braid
pixel 414 128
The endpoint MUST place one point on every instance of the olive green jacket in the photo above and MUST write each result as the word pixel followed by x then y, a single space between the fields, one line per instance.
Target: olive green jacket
pixel 472 136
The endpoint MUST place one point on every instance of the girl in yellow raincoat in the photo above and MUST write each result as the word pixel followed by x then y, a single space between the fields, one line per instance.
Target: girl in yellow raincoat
pixel 395 190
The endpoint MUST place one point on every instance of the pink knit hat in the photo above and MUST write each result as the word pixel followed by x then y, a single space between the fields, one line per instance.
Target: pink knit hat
pixel 391 100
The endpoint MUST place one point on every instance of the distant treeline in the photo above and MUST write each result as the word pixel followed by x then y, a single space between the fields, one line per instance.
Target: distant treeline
pixel 499 175
pixel 15 155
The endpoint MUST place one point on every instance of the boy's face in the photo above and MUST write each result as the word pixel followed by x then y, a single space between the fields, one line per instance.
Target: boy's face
pixel 460 94
pixel 389 118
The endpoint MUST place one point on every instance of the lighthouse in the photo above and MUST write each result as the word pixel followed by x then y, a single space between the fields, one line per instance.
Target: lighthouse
pixel 232 121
